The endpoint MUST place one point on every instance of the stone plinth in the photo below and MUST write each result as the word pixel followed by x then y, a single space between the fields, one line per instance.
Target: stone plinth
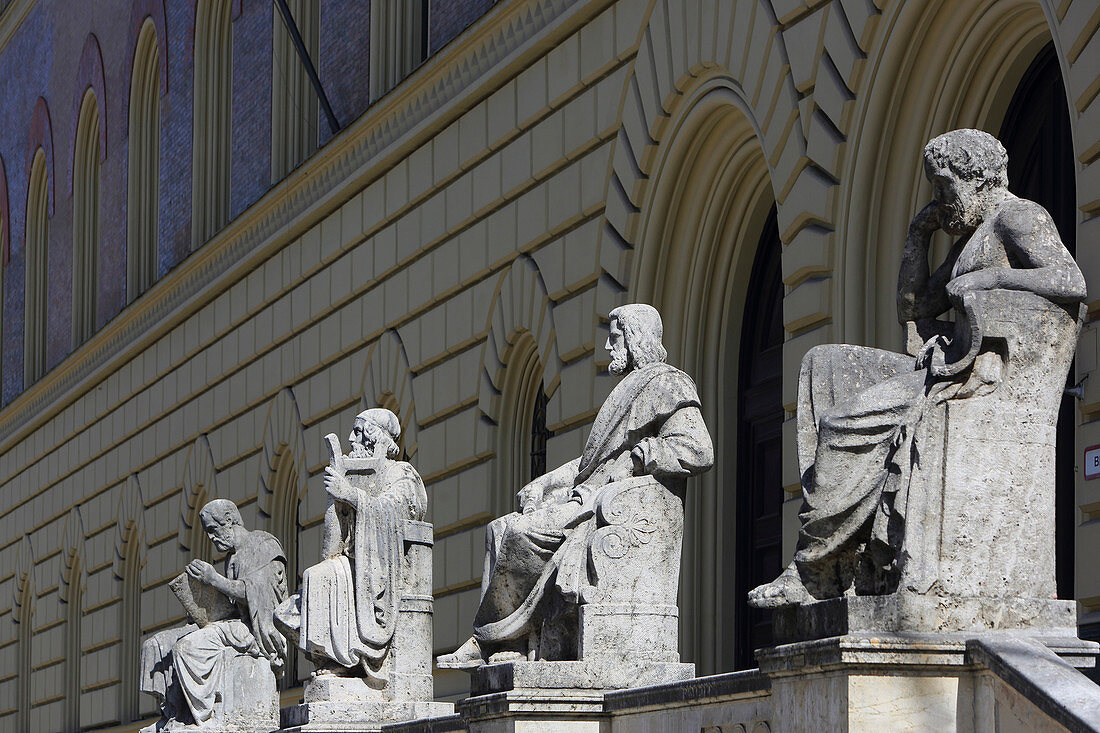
pixel 910 612
pixel 887 681
pixel 349 704
pixel 587 674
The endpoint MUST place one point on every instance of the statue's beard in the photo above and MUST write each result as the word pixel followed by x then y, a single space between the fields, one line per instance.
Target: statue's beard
pixel 361 450
pixel 961 216
pixel 620 362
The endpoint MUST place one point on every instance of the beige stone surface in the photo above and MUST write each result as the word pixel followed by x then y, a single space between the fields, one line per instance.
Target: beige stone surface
pixel 408 256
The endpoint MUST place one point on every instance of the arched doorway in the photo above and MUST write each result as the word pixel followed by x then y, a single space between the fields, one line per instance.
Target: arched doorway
pixel 1036 133
pixel 760 437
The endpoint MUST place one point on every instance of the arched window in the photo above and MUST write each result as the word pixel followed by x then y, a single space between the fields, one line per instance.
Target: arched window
pixel 294 107
pixel 398 41
pixel 129 629
pixel 36 255
pixel 760 416
pixel 213 94
pixel 143 195
pixel 523 432
pixel 74 651
pixel 85 219
pixel 285 527
pixel 24 616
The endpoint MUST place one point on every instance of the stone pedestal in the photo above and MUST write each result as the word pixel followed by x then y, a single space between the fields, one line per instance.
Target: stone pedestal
pixel 911 612
pixel 350 704
pixel 405 692
pixel 536 696
pixel 857 664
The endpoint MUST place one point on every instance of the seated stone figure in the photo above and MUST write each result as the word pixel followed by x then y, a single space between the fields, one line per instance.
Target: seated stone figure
pixel 931 473
pixel 345 615
pixel 220 673
pixel 572 541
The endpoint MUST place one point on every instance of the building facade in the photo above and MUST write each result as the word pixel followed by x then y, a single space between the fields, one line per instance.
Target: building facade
pixel 202 277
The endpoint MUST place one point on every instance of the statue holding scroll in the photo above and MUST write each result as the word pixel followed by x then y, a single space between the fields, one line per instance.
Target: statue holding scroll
pixel 931 473
pixel 219 670
pixel 602 532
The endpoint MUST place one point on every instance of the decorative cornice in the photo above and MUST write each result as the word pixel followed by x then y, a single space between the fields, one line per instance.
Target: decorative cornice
pixel 442 89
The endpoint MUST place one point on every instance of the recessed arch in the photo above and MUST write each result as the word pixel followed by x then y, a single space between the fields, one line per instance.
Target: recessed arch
pixel 36 259
pixel 23 609
pixel 211 119
pixel 937 67
pixel 521 338
pixel 701 213
pixel 143 175
pixel 388 382
pixel 129 563
pixel 199 487
pixel 74 583
pixel 89 78
pixel 87 158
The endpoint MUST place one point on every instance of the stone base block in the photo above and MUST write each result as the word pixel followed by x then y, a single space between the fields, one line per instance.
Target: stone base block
pixel 555 678
pixel 363 717
pixel 909 612
pixel 629 630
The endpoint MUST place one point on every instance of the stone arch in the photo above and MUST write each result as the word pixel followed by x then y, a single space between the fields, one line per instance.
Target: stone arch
pixel 388 382
pixel 73 560
pixel 970 57
pixel 520 329
pixel 41 136
pixel 129 525
pixel 89 77
pixel 703 208
pixel 283 435
pixel 199 487
pixel 142 11
pixel 73 585
pixel 714 131
pixel 23 608
pixel 129 562
pixel 5 222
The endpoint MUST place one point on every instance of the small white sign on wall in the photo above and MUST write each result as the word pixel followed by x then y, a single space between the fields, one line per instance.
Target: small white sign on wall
pixel 1092 462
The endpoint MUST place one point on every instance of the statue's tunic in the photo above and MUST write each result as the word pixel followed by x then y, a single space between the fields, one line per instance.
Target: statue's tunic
pixel 191 661
pixel 525 553
pixel 349 601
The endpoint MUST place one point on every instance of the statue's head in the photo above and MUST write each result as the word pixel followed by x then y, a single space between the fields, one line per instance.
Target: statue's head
pixel 967 168
pixel 375 434
pixel 222 521
pixel 634 338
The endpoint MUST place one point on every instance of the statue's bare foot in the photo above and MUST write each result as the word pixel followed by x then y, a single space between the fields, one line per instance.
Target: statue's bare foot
pixel 786 590
pixel 507 655
pixel 467 656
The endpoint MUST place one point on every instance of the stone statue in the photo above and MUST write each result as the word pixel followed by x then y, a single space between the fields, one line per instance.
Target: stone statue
pixel 219 671
pixel 363 614
pixel 604 530
pixel 930 474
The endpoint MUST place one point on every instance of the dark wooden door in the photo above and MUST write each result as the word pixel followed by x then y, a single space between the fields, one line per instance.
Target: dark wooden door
pixel 759 444
pixel 1036 134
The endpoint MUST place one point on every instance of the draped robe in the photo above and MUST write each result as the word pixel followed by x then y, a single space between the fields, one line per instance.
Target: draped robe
pixel 527 553
pixel 348 602
pixel 188 664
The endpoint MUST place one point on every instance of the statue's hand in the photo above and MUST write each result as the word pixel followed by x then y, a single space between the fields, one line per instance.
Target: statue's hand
pixel 530 496
pixel 978 280
pixel 931 346
pixel 338 487
pixel 202 570
pixel 927 219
